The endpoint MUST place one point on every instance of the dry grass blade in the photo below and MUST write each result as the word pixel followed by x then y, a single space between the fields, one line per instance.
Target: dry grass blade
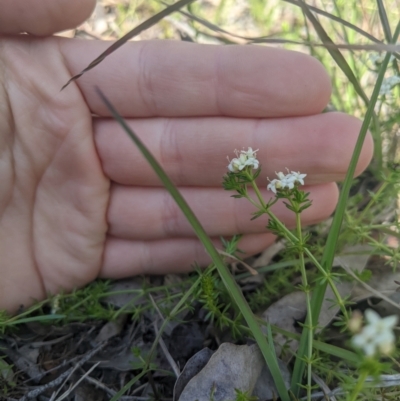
pixel 334 52
pixel 134 32
pixel 324 388
pixel 337 19
pixel 386 29
pixel 376 293
pixel 72 388
pixel 384 21
pixel 252 271
pixel 377 46
pixel 381 47
pixel 216 28
pixel 60 379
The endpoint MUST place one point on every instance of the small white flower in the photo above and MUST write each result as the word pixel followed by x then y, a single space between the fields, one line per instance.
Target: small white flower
pixel 377 335
pixel 286 181
pixel 298 177
pixel 250 153
pixel 244 159
pixel 251 161
pixel 274 185
pixel 237 164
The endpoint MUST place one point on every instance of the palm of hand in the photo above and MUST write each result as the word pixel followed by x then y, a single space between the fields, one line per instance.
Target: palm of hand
pixel 54 196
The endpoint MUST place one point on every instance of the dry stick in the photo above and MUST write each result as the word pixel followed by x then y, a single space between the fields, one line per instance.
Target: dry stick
pixel 164 348
pixel 112 392
pixel 38 344
pixel 69 391
pixel 252 271
pixel 384 381
pixel 39 390
pixel 377 46
pixel 324 387
pixel 38 378
pixel 366 286
pixel 102 386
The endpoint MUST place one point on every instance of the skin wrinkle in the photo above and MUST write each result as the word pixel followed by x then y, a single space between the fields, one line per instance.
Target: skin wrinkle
pixel 170 216
pixel 144 82
pixel 170 155
pixel 199 250
pixel 217 83
pixel 64 61
pixel 147 261
pixel 36 239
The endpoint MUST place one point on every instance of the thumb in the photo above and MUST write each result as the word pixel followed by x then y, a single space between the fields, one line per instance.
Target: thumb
pixel 43 17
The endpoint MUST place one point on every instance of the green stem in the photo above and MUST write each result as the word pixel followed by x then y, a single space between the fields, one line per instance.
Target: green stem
pixel 308 300
pixel 258 193
pixel 372 201
pixel 358 387
pixel 295 240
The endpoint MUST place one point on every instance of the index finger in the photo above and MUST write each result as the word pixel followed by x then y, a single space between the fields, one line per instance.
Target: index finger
pixel 171 78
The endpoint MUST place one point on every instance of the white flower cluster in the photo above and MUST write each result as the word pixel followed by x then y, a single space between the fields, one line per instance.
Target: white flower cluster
pixel 377 335
pixel 244 159
pixel 286 181
pixel 388 83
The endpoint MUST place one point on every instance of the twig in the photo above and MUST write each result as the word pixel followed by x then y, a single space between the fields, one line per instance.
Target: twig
pixel 39 390
pixel 254 272
pixel 366 286
pixel 164 348
pixel 324 387
pixel 68 392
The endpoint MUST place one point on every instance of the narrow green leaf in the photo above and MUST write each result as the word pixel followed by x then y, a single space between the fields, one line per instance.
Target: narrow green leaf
pixel 338 352
pixel 128 385
pixel 384 21
pixel 42 318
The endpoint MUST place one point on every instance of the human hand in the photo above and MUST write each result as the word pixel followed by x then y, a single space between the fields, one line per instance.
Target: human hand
pixel 78 199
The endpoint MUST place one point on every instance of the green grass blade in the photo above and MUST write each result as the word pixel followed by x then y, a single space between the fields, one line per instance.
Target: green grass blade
pixel 329 252
pixel 226 277
pixel 128 386
pixel 333 350
pixel 384 21
pixel 43 318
